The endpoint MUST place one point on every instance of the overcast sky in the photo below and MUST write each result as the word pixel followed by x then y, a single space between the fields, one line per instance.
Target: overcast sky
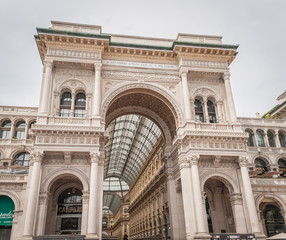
pixel 258 26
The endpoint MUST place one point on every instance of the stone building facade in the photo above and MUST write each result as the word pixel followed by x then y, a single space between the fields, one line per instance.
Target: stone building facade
pixel 138 138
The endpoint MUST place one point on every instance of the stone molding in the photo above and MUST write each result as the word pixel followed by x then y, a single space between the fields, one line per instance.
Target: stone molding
pixel 73 53
pixel 236 199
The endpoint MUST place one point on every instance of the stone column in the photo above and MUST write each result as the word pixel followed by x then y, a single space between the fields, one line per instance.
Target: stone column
pixel 201 225
pixel 33 195
pixel 93 217
pixel 243 162
pixel 186 95
pixel 12 129
pixel 84 223
pixel 238 213
pixel 266 139
pixel 100 195
pixel 205 111
pixel 174 218
pixel 46 87
pixel 189 212
pixel 229 97
pixel 88 105
pixel 277 141
pixel 41 224
pixel 97 90
pixel 72 105
pixel 219 111
pixel 26 130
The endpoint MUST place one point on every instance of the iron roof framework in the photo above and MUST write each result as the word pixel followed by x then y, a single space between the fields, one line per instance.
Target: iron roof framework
pixel 131 139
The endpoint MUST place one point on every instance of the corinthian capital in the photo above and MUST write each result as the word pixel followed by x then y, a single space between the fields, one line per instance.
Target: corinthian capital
pixel 97 66
pixel 94 157
pixel 37 156
pixel 226 75
pixel 183 72
pixel 184 162
pixel 194 159
pixel 48 62
pixel 243 161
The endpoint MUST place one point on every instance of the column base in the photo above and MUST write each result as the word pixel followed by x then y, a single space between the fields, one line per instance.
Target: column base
pixel 91 237
pixel 202 236
pixel 260 236
pixel 27 237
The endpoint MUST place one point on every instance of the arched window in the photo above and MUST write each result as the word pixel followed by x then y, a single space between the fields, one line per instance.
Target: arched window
pixel 69 212
pixel 211 111
pixel 260 139
pixel 274 221
pixel 271 139
pixel 6 129
pixel 282 167
pixel 22 159
pixel 260 165
pixel 66 100
pixel 20 130
pixel 282 139
pixel 199 111
pixel 80 102
pixel 250 141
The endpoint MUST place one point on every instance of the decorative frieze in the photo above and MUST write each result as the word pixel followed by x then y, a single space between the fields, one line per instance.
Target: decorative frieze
pixel 73 53
pixel 139 64
pixel 203 63
pixel 140 76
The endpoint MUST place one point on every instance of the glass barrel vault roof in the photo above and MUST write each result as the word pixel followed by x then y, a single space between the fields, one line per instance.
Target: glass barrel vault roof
pixel 131 139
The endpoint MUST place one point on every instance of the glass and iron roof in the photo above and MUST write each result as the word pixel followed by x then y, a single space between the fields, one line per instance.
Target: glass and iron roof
pixel 131 139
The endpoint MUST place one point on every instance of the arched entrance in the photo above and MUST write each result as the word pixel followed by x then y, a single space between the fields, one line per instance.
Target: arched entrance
pixel 218 207
pixel 65 206
pixel 7 208
pixel 141 125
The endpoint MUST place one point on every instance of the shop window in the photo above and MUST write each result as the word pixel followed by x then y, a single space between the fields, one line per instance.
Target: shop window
pixel 69 212
pixel 20 130
pixel 211 111
pixel 22 159
pixel 199 111
pixel 6 129
pixel 260 139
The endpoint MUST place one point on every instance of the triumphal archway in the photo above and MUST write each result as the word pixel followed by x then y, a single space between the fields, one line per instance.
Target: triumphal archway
pixel 136 138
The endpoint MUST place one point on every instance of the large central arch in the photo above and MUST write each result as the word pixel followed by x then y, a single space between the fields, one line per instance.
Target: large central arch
pixel 149 100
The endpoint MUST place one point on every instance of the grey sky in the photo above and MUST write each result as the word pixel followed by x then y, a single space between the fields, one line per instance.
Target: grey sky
pixel 258 26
